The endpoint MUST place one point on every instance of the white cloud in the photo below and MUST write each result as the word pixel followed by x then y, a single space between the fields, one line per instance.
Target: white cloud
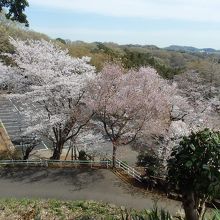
pixel 193 10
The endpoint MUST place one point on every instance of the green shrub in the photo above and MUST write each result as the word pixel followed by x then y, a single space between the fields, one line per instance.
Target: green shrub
pixel 151 162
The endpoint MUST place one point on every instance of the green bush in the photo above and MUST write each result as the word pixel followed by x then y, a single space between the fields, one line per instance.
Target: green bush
pixel 151 162
pixel 154 214
pixel 194 169
pixel 82 155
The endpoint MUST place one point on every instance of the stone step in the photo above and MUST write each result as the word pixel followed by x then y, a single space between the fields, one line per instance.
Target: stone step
pixel 6 108
pixel 11 123
pixel 5 104
pixel 14 129
pixel 8 114
pixel 14 126
pixel 11 120
pixel 15 136
pixel 4 101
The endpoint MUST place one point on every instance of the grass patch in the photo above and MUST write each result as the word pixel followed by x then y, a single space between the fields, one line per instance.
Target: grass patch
pixel 27 209
pixel 30 209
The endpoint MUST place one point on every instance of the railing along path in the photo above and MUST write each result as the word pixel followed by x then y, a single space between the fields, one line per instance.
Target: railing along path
pixel 46 163
pixel 102 164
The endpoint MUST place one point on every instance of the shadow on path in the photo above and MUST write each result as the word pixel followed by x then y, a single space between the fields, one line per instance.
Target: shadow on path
pixel 76 184
pixel 80 178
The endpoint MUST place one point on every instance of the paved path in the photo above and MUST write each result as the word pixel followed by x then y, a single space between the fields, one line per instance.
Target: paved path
pixel 76 184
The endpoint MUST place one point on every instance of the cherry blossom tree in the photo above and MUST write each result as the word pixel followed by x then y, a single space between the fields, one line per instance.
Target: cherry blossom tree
pixel 8 78
pixel 4 71
pixel 55 88
pixel 195 107
pixel 130 102
pixel 203 100
pixel 91 141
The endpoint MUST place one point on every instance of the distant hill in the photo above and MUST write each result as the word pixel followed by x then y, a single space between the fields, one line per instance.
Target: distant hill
pixel 140 46
pixel 191 49
pixel 175 48
pixel 168 61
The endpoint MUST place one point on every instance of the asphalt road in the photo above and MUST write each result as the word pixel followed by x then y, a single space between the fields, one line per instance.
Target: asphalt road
pixel 76 184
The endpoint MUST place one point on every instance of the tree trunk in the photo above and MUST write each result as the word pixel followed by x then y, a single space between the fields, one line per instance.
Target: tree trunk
pixel 67 154
pixel 203 211
pixel 114 155
pixel 57 151
pixel 72 157
pixel 27 151
pixel 75 153
pixel 26 156
pixel 189 205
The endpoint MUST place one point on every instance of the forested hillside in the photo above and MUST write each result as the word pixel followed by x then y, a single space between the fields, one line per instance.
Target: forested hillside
pixel 167 62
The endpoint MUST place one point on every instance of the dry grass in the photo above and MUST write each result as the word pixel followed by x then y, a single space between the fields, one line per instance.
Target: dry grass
pixel 25 209
pixel 5 142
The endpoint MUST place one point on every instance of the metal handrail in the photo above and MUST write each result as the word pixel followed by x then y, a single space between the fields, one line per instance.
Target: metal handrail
pixel 129 170
pixel 47 162
pixel 126 166
pixel 107 163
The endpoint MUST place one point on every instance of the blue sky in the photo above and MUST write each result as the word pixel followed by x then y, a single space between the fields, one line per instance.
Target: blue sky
pixel 159 22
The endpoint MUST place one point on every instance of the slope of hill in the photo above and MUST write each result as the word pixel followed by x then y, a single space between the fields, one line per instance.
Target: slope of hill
pixel 191 49
pixel 168 61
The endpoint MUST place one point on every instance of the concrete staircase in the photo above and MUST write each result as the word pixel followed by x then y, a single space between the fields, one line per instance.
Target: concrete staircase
pixel 15 125
pixel 11 119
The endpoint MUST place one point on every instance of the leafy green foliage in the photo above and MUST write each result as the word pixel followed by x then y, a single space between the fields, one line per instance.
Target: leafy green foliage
pixel 135 59
pixel 81 210
pixel 194 168
pixel 216 214
pixel 82 155
pixel 150 161
pixel 155 214
pixel 15 10
pixel 168 64
pixel 61 40
pixel 195 163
